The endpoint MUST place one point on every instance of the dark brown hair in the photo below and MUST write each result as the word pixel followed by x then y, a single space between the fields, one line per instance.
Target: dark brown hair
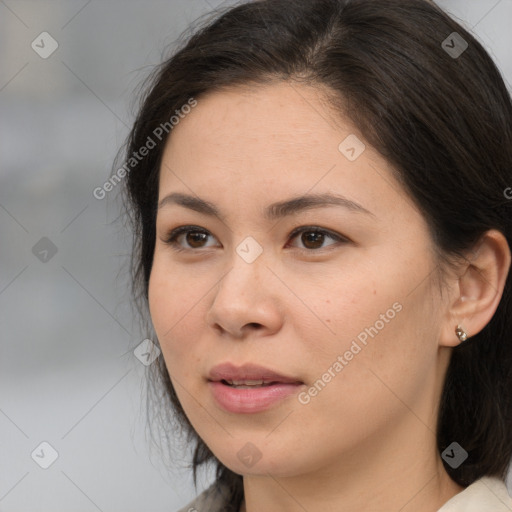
pixel 443 121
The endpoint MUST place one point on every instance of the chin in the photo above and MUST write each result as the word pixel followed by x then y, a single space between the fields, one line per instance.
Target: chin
pixel 247 459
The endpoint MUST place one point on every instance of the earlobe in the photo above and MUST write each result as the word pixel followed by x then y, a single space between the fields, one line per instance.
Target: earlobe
pixel 480 287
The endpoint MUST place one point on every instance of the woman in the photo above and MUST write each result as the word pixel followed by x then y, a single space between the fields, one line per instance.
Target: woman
pixel 320 197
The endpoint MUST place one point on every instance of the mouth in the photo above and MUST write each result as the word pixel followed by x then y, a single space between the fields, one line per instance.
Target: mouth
pixel 250 388
pixel 248 384
pixel 248 375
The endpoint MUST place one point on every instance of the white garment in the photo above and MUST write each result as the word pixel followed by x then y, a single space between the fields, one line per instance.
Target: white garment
pixel 488 494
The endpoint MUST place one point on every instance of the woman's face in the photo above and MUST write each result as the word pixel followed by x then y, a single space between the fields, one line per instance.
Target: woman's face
pixel 350 313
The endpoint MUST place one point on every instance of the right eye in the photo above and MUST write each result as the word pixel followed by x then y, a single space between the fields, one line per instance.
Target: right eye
pixel 193 235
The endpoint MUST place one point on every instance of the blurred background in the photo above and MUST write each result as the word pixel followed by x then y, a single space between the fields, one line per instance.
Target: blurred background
pixel 72 388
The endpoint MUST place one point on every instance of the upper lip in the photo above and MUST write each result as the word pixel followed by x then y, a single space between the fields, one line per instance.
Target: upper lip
pixel 230 372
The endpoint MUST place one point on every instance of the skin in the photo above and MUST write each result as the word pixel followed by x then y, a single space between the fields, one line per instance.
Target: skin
pixel 366 441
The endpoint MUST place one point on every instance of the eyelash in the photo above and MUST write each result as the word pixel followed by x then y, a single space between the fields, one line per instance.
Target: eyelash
pixel 171 238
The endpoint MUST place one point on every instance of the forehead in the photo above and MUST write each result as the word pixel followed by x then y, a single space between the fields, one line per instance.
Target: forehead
pixel 270 142
pixel 278 130
pixel 278 116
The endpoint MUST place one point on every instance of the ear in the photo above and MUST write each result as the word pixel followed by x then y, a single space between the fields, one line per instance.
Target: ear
pixel 478 288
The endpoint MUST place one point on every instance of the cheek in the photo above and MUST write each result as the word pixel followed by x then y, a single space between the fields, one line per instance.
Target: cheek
pixel 175 317
pixel 378 322
pixel 174 306
pixel 375 381
pixel 396 359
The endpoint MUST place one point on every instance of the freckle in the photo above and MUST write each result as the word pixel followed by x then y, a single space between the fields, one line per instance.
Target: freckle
pixel 374 292
pixel 328 301
pixel 328 321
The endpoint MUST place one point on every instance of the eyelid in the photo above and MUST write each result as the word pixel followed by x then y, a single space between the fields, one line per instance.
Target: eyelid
pixel 170 238
pixel 172 235
pixel 318 229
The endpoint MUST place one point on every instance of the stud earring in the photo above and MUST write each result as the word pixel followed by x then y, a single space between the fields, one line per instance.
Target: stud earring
pixel 461 333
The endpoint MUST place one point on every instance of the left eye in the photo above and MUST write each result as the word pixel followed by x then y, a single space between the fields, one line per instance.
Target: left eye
pixel 312 237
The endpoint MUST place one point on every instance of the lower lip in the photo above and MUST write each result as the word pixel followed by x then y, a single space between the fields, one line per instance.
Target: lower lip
pixel 251 400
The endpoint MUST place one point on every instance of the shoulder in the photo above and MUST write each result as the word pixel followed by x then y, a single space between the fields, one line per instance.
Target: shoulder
pixel 488 494
pixel 212 500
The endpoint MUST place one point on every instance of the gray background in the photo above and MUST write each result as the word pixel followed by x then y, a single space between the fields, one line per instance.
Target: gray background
pixel 68 375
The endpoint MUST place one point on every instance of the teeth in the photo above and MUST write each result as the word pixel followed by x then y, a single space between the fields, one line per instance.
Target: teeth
pixel 246 382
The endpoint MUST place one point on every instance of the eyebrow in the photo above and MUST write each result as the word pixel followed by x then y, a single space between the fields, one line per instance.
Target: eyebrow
pixel 273 211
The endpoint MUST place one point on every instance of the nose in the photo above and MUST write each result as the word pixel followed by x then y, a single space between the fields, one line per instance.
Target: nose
pixel 246 300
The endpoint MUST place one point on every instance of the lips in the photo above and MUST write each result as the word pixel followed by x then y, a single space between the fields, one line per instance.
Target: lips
pixel 248 375
pixel 250 388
